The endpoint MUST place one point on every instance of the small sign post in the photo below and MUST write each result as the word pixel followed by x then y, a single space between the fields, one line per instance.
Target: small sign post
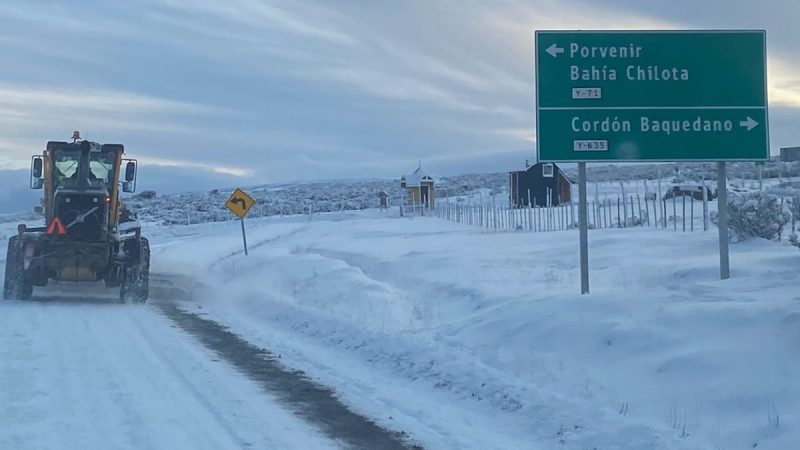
pixel 240 204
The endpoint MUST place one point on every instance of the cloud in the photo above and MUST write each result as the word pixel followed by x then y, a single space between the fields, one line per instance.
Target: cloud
pixel 25 98
pixel 309 89
pixel 521 134
pixel 784 82
pixel 257 14
pixel 49 112
pixel 207 167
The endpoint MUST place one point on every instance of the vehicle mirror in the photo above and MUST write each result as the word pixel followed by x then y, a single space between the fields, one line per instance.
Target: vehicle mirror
pixel 37 167
pixel 130 171
pixel 37 183
pixel 128 186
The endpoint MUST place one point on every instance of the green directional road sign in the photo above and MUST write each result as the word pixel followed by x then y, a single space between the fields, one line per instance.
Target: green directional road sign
pixel 651 95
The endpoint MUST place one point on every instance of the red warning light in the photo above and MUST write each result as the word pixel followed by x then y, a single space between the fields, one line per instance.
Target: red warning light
pixel 106 199
pixel 56 227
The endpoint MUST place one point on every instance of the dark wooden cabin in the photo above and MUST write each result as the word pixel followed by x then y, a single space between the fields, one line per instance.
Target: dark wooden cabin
pixel 540 181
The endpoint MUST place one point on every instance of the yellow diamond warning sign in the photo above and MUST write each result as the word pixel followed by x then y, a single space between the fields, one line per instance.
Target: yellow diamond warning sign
pixel 240 203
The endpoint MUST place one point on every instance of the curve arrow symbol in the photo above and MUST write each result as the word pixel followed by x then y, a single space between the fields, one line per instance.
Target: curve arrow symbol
pixel 240 202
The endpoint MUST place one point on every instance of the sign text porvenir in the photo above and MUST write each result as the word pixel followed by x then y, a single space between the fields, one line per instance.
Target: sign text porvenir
pixel 651 95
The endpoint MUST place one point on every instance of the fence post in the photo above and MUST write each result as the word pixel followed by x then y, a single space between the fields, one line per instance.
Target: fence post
pixel 674 214
pixel 572 214
pixel 655 210
pixel 692 222
pixel 624 205
pixel 605 212
pixel 683 213
pixel 600 212
pixel 705 206
pixel 515 220
pixel 568 215
pixel 530 211
pixel 542 219
pixel 632 210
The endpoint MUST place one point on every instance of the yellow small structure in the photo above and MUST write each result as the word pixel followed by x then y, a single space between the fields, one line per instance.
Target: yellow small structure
pixel 420 189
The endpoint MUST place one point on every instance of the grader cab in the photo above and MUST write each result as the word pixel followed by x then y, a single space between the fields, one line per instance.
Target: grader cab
pixel 88 234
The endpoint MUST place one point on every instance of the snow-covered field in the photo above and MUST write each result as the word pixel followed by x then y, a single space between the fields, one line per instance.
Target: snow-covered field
pixel 458 336
pixel 467 339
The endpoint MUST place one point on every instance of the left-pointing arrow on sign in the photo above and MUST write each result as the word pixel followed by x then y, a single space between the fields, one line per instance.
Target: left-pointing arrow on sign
pixel 240 201
pixel 554 50
pixel 749 123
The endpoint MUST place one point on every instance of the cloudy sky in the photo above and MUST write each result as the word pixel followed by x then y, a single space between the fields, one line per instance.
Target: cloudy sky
pixel 258 91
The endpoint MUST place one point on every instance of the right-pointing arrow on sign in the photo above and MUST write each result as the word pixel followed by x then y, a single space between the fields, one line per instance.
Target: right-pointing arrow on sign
pixel 749 123
pixel 554 50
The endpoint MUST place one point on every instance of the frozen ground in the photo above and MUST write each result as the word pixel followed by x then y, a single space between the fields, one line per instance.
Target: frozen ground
pixel 479 340
pixel 458 337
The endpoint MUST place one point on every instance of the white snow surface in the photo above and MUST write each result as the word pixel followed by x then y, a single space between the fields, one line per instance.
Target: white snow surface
pixel 81 373
pixel 475 340
pixel 459 337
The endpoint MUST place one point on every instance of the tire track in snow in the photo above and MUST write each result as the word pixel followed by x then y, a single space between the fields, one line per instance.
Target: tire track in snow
pixel 197 394
pixel 307 399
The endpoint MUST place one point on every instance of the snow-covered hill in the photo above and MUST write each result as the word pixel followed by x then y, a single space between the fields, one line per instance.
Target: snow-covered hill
pixel 349 195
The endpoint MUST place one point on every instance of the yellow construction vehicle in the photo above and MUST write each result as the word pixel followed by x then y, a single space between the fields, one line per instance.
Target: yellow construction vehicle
pixel 88 234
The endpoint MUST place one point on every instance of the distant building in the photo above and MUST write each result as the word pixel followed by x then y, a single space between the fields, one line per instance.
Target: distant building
pixel 541 184
pixel 383 200
pixel 789 154
pixel 419 188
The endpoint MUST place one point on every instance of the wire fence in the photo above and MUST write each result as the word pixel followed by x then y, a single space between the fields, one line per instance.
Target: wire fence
pixel 679 213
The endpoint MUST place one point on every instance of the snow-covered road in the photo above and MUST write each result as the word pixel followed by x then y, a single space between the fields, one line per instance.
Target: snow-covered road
pixel 85 373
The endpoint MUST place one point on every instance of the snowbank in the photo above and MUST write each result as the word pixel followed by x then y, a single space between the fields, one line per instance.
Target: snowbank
pixel 479 340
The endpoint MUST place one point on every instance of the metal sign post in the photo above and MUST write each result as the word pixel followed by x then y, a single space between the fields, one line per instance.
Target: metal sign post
pixel 244 236
pixel 583 226
pixel 722 217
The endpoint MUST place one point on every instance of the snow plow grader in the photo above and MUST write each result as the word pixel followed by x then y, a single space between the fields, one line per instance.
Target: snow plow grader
pixel 88 235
